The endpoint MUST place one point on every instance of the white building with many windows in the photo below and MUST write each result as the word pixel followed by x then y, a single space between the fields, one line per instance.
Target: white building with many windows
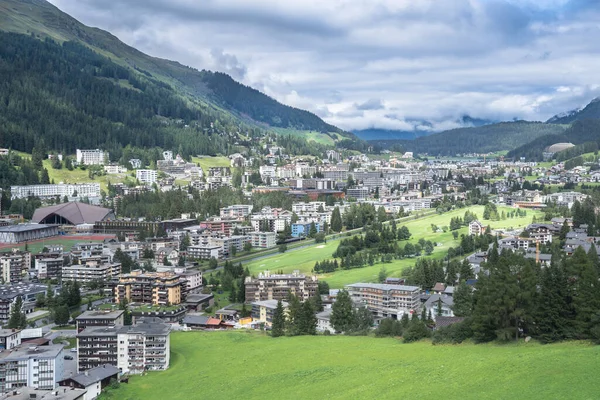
pixel 40 367
pixel 384 300
pixel 147 176
pixel 263 240
pixel 91 157
pixel 70 190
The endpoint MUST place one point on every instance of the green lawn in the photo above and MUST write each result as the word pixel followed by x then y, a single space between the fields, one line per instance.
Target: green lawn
pixel 38 246
pixel 304 259
pixel 314 136
pixel 249 365
pixel 72 341
pixel 207 162
pixel 81 176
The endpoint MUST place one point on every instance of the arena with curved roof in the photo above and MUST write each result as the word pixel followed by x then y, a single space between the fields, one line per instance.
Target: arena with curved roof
pixel 73 213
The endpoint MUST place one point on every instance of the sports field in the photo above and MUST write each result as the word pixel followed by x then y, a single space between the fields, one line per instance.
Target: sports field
pixel 66 241
pixel 250 365
pixel 304 259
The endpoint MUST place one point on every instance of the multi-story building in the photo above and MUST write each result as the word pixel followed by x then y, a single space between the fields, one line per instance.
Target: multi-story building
pixel 147 176
pixel 9 339
pixel 28 293
pixel 85 273
pixel 358 193
pixel 204 252
pixel 229 243
pixel 99 318
pixel 263 240
pixel 384 300
pixel 223 225
pixel 49 267
pixel 71 190
pixel 134 349
pixel 40 367
pixel 14 265
pixel 91 157
pixel 304 229
pixel 263 311
pixel 269 286
pixel 310 207
pixel 158 288
pixel 193 280
pixel 236 211
pixel 476 228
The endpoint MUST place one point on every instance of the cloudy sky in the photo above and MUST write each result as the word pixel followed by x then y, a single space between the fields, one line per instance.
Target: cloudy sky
pixel 378 63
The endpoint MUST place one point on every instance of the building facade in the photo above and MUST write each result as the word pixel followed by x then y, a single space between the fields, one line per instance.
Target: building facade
pixel 269 286
pixel 85 273
pixel 147 176
pixel 91 157
pixel 157 288
pixel 79 190
pixel 384 300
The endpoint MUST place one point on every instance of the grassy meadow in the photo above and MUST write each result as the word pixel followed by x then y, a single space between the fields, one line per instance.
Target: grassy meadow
pixel 304 259
pixel 251 365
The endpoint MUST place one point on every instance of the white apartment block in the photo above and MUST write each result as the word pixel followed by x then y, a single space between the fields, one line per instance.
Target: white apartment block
pixel 313 206
pixel 205 252
pixel 147 176
pixel 268 171
pixel 62 189
pixel 386 300
pixel 91 272
pixel 40 367
pixel 263 240
pixel 236 211
pixel 228 243
pixel 114 169
pixel 91 157
pixel 303 169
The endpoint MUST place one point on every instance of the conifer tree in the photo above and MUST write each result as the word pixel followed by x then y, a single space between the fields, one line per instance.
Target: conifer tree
pixel 336 220
pixel 342 316
pixel 278 328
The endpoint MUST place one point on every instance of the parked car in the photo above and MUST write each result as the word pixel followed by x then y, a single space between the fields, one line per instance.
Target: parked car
pixel 68 357
pixel 74 350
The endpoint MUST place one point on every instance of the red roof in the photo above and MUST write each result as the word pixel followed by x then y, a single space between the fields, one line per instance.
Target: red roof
pixel 213 321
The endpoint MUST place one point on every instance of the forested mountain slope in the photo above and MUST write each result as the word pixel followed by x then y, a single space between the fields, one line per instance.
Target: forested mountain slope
pixel 204 95
pixel 483 139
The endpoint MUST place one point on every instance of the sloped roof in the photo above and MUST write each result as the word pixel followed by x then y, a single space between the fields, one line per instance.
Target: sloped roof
pixel 94 375
pixel 75 212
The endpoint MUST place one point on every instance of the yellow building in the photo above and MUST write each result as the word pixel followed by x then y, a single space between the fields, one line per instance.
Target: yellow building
pixel 157 288
pixel 262 311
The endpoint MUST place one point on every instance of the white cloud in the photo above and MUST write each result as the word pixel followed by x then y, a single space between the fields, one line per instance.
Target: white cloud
pixel 378 63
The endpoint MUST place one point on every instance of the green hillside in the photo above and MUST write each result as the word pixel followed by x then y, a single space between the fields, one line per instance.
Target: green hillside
pixel 483 139
pixel 211 103
pixel 250 365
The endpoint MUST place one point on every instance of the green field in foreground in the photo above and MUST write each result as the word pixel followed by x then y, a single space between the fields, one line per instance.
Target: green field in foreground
pixel 250 365
pixel 304 259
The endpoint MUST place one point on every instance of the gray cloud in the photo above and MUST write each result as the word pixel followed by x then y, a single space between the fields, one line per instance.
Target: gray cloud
pixel 378 63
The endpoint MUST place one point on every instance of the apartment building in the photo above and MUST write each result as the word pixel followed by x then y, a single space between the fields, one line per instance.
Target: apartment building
pixel 204 252
pixel 14 265
pixel 157 288
pixel 39 367
pixel 193 280
pixel 99 318
pixel 385 300
pixel 91 157
pixel 303 229
pixel 28 293
pixel 310 207
pixel 134 349
pixel 263 311
pixel 476 228
pixel 228 243
pixel 236 211
pixel 85 273
pixel 269 286
pixel 78 190
pixel 9 339
pixel 147 176
pixel 358 193
pixel 49 267
pixel 263 240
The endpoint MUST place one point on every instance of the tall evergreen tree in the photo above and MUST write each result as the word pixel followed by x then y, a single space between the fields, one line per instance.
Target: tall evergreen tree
pixel 278 327
pixel 293 320
pixel 308 320
pixel 463 300
pixel 17 319
pixel 551 308
pixel 336 220
pixel 342 315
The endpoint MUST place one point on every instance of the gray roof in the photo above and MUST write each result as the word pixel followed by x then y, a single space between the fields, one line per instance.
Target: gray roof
pixel 24 352
pixel 25 393
pixel 441 322
pixel 433 299
pixel 95 375
pixel 199 297
pixel 11 291
pixel 100 315
pixel 74 212
pixel 144 325
pixel 325 314
pixel 383 286
pixel 23 228
pixel 269 303
pixel 194 319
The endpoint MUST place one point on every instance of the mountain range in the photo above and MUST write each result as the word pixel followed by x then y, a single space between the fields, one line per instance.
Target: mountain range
pixel 206 101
